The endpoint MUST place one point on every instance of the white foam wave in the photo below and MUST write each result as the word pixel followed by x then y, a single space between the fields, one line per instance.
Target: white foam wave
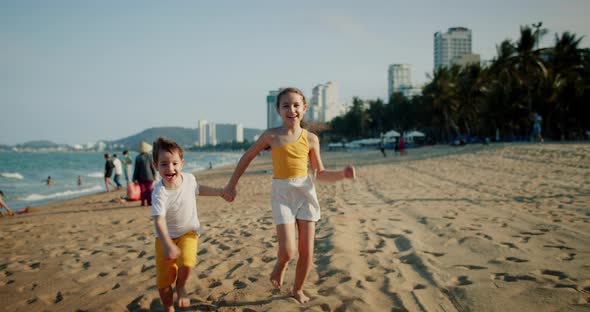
pixel 95 175
pixel 10 175
pixel 36 197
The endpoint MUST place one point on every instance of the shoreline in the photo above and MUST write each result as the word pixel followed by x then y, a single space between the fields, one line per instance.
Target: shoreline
pixel 477 228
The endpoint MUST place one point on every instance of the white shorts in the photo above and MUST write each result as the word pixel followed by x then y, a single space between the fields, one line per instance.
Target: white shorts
pixel 294 199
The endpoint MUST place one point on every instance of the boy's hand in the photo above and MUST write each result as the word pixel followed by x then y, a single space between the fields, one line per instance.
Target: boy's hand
pixel 172 252
pixel 349 172
pixel 229 194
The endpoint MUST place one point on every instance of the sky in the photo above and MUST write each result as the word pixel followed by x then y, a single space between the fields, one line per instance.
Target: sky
pixel 83 71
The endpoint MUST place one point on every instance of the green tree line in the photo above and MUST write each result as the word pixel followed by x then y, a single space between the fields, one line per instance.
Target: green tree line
pixel 477 100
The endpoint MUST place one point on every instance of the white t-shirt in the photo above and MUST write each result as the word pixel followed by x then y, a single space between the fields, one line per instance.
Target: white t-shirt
pixel 179 206
pixel 118 166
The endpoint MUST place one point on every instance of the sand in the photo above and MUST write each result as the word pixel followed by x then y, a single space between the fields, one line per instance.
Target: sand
pixel 478 228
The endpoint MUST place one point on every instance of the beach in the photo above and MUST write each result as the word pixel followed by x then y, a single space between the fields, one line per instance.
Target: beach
pixel 477 228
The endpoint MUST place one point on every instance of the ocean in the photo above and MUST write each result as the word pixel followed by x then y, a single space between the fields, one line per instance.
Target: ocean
pixel 23 175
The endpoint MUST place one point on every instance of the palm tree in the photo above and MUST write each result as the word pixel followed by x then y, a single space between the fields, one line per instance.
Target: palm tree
pixel 528 60
pixel 440 93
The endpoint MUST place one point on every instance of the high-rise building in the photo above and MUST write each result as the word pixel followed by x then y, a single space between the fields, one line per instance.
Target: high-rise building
pixel 451 45
pixel 207 134
pixel 324 104
pixel 273 119
pixel 399 79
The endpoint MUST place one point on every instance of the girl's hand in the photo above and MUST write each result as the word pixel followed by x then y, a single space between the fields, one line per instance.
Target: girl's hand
pixel 229 194
pixel 349 172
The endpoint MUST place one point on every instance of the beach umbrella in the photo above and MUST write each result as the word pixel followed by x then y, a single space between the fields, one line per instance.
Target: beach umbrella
pixel 391 133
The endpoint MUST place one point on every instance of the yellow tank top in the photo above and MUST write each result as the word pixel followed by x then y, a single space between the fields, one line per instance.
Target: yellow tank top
pixel 290 160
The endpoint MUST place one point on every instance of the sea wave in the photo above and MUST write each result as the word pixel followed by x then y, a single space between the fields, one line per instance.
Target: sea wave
pixel 95 175
pixel 10 175
pixel 37 197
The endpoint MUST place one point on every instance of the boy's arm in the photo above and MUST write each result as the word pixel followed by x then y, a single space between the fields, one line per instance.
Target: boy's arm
pixel 317 166
pixel 210 191
pixel 172 251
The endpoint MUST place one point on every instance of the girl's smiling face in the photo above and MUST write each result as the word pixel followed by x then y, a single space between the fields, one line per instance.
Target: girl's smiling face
pixel 292 108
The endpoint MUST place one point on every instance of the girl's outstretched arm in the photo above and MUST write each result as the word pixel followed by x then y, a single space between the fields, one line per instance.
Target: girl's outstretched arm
pixel 262 143
pixel 317 166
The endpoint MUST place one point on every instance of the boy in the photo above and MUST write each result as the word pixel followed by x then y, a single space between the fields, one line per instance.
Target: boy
pixel 5 206
pixel 177 224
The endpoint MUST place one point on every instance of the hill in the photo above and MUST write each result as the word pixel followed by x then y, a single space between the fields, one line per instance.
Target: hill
pixel 183 136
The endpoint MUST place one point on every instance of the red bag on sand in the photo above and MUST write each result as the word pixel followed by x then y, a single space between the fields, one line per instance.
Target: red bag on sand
pixel 133 192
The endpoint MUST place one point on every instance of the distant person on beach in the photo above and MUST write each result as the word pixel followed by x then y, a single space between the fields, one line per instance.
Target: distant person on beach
pixel 177 223
pixel 48 181
pixel 144 173
pixel 118 171
pixel 79 180
pixel 295 207
pixel 108 172
pixel 4 205
pixel 536 133
pixel 127 162
pixel 402 146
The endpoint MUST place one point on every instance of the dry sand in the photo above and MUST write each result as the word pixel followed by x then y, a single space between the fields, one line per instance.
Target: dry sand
pixel 496 228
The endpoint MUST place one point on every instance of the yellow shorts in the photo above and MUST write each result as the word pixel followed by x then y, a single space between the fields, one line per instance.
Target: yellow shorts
pixel 167 269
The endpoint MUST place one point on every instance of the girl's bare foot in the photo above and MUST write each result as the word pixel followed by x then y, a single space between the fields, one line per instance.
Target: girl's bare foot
pixel 277 275
pixel 300 296
pixel 183 300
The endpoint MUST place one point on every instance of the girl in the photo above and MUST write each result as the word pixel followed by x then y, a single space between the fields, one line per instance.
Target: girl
pixel 294 201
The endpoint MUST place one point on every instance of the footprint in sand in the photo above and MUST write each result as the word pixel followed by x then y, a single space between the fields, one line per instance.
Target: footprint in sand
pixel 470 267
pixel 436 254
pixel 460 281
pixel 514 259
pixel 513 278
pixel 557 274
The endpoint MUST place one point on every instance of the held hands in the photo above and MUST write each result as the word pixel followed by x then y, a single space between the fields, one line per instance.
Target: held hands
pixel 229 193
pixel 349 172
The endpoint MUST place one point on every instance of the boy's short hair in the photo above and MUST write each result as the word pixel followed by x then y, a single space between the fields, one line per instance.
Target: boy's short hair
pixel 166 145
pixel 106 155
pixel 1 193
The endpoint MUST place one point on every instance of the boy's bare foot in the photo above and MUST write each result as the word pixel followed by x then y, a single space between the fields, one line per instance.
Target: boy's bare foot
pixel 277 275
pixel 183 300
pixel 300 296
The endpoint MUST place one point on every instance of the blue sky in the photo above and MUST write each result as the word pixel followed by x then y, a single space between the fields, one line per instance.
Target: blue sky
pixel 82 71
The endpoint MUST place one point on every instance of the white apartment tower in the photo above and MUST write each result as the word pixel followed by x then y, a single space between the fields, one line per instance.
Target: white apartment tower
pixel 207 133
pixel 451 45
pixel 399 79
pixel 273 119
pixel 325 104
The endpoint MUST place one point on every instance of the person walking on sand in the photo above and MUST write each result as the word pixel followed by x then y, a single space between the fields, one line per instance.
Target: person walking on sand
pixel 5 206
pixel 295 207
pixel 108 172
pixel 144 173
pixel 127 162
pixel 118 171
pixel 176 221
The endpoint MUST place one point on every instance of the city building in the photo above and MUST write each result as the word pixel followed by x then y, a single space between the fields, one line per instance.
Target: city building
pixel 466 59
pixel 399 79
pixel 227 133
pixel 207 134
pixel 324 103
pixel 451 45
pixel 273 119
